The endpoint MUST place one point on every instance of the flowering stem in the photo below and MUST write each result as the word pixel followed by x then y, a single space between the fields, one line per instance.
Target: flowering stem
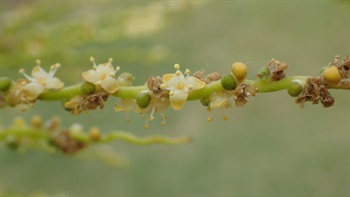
pixel 64 93
pixel 272 86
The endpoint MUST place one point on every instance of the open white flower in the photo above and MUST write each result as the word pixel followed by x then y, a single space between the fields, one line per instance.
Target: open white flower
pixel 180 86
pixel 220 99
pixel 102 75
pixel 40 81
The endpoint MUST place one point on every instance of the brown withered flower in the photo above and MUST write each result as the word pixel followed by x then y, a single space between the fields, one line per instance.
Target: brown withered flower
pixel 276 69
pixel 154 84
pixel 78 104
pixel 65 143
pixel 315 91
pixel 344 68
pixel 215 76
pixel 241 94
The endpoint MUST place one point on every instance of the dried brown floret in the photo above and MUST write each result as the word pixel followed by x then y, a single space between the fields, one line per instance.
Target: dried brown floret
pixel 276 69
pixel 78 104
pixel 215 76
pixel 315 91
pixel 154 84
pixel 64 142
pixel 96 100
pixel 241 94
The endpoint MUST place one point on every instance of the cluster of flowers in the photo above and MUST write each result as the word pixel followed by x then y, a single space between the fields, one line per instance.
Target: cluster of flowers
pixel 174 89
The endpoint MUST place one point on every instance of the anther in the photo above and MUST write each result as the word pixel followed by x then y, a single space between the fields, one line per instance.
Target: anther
pixel 177 66
pixel 190 87
pixel 178 73
pixel 187 71
pixel 92 59
pixel 21 71
pixel 117 68
pixel 110 60
pixel 171 92
pixel 38 62
pixel 163 86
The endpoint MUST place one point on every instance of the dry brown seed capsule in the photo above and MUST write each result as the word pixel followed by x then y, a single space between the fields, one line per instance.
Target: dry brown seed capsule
pixel 143 99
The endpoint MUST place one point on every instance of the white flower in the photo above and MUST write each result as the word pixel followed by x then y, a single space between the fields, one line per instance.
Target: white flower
pixel 102 75
pixel 220 100
pixel 41 81
pixel 180 86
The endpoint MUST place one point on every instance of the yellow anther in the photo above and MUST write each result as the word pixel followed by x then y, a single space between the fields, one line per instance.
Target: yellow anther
pixel 171 93
pixel 163 86
pixel 21 71
pixel 151 118
pixel 117 68
pixel 210 119
pixel 110 60
pixel 177 66
pixel 146 126
pixel 178 73
pixel 92 59
pixel 190 87
pixel 187 71
pixel 163 123
pixel 38 62
pixel 57 65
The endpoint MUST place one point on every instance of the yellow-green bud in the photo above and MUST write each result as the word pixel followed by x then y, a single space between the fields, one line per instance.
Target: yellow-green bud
pixel 125 79
pixel 87 88
pixel 228 82
pixel 205 101
pixel 239 70
pixel 294 88
pixel 331 75
pixel 5 83
pixel 143 99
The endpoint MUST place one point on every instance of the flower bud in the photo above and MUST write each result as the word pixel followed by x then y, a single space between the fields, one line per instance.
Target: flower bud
pixel 239 70
pixel 331 75
pixel 125 79
pixel 5 83
pixel 228 82
pixel 294 88
pixel 143 99
pixel 94 133
pixel 205 101
pixel 87 88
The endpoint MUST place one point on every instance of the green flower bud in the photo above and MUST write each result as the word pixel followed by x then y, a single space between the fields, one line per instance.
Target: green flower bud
pixel 143 99
pixel 294 88
pixel 205 101
pixel 125 79
pixel 228 82
pixel 5 83
pixel 87 88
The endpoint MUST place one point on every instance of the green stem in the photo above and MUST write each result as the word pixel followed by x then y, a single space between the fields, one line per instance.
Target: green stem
pixel 272 86
pixel 64 93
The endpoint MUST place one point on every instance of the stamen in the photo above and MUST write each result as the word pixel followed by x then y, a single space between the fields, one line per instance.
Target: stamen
pixel 187 71
pixel 163 86
pixel 110 60
pixel 21 71
pixel 38 62
pixel 117 68
pixel 178 73
pixel 210 119
pixel 190 87
pixel 152 112
pixel 92 59
pixel 177 66
pixel 171 93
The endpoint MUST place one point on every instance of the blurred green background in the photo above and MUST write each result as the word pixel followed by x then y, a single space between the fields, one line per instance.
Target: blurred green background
pixel 268 147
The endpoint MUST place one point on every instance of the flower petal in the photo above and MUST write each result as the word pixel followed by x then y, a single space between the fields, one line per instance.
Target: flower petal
pixel 91 76
pixel 167 77
pixel 54 83
pixel 196 83
pixel 33 90
pixel 38 72
pixel 178 99
pixel 125 104
pixel 109 84
pixel 106 68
